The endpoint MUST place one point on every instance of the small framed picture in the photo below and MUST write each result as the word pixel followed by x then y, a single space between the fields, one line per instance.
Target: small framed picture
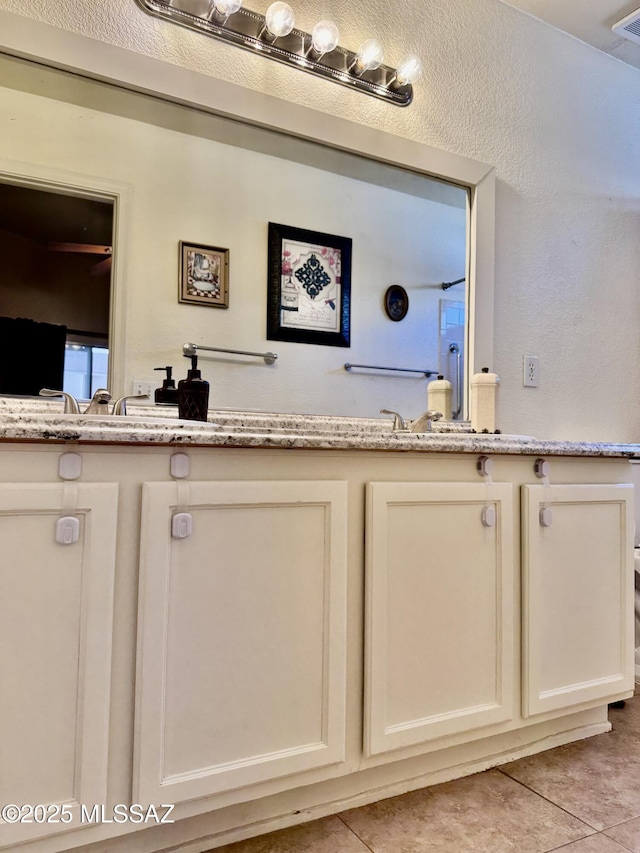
pixel 396 303
pixel 204 275
pixel 309 287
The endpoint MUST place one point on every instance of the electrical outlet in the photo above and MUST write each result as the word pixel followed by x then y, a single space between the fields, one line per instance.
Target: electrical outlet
pixel 531 371
pixel 139 386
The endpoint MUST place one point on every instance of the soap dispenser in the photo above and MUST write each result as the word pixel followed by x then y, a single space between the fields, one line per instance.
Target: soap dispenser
pixel 168 394
pixel 439 397
pixel 484 400
pixel 193 394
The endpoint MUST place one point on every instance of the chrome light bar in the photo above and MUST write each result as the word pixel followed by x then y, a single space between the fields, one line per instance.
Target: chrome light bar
pixel 248 30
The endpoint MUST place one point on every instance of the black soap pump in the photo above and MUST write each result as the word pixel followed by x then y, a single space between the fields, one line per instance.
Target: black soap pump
pixel 168 394
pixel 193 394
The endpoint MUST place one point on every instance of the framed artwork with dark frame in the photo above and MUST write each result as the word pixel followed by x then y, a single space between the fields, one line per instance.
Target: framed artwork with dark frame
pixel 309 287
pixel 204 275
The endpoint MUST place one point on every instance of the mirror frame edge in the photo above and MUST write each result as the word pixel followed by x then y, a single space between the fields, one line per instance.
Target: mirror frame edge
pixel 43 43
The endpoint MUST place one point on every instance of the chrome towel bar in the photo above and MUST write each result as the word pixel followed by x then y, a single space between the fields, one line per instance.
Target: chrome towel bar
pixel 192 349
pixel 348 367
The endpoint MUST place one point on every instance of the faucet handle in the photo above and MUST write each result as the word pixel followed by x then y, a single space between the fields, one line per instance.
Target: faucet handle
pixel 120 405
pixel 71 406
pixel 399 424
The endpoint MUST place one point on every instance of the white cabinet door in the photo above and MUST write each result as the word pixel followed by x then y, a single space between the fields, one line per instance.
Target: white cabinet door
pixel 56 610
pixel 439 611
pixel 577 552
pixel 241 660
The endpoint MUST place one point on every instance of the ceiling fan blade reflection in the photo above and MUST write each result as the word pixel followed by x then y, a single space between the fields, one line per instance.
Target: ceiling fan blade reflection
pixel 82 248
pixel 102 267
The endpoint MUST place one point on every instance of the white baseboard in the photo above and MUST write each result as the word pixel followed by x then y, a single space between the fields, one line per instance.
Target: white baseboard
pixel 321 810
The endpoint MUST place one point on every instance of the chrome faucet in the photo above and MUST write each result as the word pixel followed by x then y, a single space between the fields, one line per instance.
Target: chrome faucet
pixel 421 424
pixel 99 404
pixel 425 422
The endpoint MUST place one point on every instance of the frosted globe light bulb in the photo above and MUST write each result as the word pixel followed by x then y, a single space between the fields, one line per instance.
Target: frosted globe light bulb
pixel 409 70
pixel 279 19
pixel 324 37
pixel 224 8
pixel 370 56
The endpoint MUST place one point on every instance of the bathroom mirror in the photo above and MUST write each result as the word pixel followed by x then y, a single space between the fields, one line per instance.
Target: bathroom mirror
pixel 218 180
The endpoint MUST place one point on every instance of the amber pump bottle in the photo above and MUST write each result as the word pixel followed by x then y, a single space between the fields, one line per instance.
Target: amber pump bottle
pixel 193 394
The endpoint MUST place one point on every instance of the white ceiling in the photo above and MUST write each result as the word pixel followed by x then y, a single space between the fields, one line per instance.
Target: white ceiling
pixel 588 20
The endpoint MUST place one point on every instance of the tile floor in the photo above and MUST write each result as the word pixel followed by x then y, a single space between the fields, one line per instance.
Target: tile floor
pixel 579 798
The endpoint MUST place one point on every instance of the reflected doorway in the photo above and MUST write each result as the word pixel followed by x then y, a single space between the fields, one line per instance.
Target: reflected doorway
pixel 55 274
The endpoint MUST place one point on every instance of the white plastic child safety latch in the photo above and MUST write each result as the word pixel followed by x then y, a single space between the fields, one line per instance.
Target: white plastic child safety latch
pixel 541 468
pixel 484 466
pixel 69 466
pixel 179 465
pixel 182 525
pixel 546 516
pixel 67 530
pixel 489 516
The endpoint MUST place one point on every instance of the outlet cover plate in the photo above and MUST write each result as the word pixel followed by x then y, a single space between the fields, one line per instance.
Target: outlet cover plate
pixel 531 371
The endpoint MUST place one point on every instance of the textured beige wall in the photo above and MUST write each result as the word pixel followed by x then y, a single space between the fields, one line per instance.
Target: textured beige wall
pixel 560 123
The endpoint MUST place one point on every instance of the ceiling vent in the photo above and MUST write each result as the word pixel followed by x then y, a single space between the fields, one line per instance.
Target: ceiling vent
pixel 629 27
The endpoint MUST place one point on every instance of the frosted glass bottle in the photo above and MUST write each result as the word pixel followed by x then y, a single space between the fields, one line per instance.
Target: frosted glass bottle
pixel 439 397
pixel 484 400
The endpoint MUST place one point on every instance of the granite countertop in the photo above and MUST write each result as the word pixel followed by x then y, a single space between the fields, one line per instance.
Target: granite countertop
pixel 36 419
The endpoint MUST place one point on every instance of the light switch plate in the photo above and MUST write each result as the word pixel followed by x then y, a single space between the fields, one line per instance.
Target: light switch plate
pixel 139 386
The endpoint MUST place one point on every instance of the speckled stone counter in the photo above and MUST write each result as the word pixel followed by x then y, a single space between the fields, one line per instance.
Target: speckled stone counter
pixel 34 419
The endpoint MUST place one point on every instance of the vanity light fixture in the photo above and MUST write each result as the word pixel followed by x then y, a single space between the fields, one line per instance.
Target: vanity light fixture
pixel 274 35
pixel 278 21
pixel 409 70
pixel 223 8
pixel 369 57
pixel 324 38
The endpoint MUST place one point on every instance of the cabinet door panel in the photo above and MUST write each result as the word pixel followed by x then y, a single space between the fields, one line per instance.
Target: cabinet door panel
pixel 56 610
pixel 439 611
pixel 241 666
pixel 577 594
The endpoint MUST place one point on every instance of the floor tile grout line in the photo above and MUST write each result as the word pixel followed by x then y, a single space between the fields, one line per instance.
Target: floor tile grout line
pixel 361 840
pixel 557 805
pixel 604 835
pixel 614 826
pixel 615 840
pixel 569 843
